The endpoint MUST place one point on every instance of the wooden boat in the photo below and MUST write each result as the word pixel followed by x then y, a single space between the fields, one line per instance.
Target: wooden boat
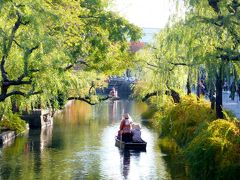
pixel 130 145
pixel 114 98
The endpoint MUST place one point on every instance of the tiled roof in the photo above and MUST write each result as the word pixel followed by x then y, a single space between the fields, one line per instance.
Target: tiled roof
pixel 136 46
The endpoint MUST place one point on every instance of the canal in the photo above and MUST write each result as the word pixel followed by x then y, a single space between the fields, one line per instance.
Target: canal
pixel 80 145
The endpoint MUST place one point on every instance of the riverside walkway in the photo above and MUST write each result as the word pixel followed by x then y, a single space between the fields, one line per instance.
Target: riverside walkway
pixel 229 104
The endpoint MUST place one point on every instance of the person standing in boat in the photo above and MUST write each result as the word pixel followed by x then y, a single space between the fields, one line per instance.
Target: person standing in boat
pixel 113 93
pixel 125 128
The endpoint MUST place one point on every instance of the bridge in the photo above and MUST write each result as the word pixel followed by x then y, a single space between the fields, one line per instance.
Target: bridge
pixel 123 86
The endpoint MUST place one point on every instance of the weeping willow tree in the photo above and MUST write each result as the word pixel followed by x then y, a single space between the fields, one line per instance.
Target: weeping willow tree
pixel 169 61
pixel 207 37
pixel 221 22
pixel 59 48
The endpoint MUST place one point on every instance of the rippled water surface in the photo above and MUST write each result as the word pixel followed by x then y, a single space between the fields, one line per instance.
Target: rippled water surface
pixel 81 145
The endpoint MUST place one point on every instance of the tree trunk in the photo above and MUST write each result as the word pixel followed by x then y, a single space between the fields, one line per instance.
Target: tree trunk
pixel 15 107
pixel 188 86
pixel 175 95
pixel 219 112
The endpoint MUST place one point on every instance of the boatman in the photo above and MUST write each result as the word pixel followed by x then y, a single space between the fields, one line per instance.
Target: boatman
pixel 125 128
pixel 113 92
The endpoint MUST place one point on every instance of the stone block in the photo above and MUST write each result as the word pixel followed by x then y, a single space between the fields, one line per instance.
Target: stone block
pixel 6 137
pixel 38 118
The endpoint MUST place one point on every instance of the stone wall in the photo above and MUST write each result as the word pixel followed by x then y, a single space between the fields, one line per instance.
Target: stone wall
pixel 7 137
pixel 38 118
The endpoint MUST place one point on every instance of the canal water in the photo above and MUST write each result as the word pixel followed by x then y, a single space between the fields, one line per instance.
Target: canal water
pixel 81 145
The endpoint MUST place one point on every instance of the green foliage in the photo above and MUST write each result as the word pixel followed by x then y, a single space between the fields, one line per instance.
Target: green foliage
pixel 214 152
pixel 229 115
pixel 149 113
pixel 210 146
pixel 169 146
pixel 5 108
pixel 13 122
pixel 207 38
pixel 182 121
pixel 48 45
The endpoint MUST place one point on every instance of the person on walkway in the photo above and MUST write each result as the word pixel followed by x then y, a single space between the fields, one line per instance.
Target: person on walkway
pixel 238 91
pixel 225 86
pixel 201 88
pixel 136 133
pixel 212 98
pixel 232 90
pixel 125 128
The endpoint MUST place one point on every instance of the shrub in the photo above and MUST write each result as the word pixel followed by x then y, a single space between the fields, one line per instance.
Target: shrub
pixel 184 120
pixel 13 122
pixel 211 147
pixel 228 114
pixel 149 113
pixel 215 152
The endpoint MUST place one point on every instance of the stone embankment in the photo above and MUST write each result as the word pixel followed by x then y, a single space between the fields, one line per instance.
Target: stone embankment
pixel 6 137
pixel 38 118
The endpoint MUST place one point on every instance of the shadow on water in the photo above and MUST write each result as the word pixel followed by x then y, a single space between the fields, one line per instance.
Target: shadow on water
pixel 175 160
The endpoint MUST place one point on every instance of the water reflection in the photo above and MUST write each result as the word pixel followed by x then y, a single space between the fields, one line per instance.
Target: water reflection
pixel 125 158
pixel 125 164
pixel 39 139
pixel 112 109
pixel 25 154
pixel 81 145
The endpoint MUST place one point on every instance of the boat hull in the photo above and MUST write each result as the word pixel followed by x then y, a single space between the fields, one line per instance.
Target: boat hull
pixel 115 98
pixel 130 145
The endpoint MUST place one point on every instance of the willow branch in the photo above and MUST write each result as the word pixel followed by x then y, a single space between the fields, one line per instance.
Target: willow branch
pixel 87 99
pixel 230 57
pixel 16 82
pixel 22 93
pixel 148 95
pixel 82 99
pixel 32 49
pixel 152 65
pixel 89 17
pixel 180 64
pixel 76 62
pixel 14 30
pixel 3 71
pixel 18 44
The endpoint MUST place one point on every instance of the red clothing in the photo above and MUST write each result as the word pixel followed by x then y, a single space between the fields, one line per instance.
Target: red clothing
pixel 125 126
pixel 113 93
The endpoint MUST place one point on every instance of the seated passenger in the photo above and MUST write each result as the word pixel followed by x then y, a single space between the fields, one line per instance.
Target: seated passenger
pixel 136 133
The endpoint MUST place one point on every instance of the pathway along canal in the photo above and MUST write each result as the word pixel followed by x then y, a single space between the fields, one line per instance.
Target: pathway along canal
pixel 80 145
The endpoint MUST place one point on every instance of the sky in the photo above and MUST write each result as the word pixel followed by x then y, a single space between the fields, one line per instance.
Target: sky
pixel 145 13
